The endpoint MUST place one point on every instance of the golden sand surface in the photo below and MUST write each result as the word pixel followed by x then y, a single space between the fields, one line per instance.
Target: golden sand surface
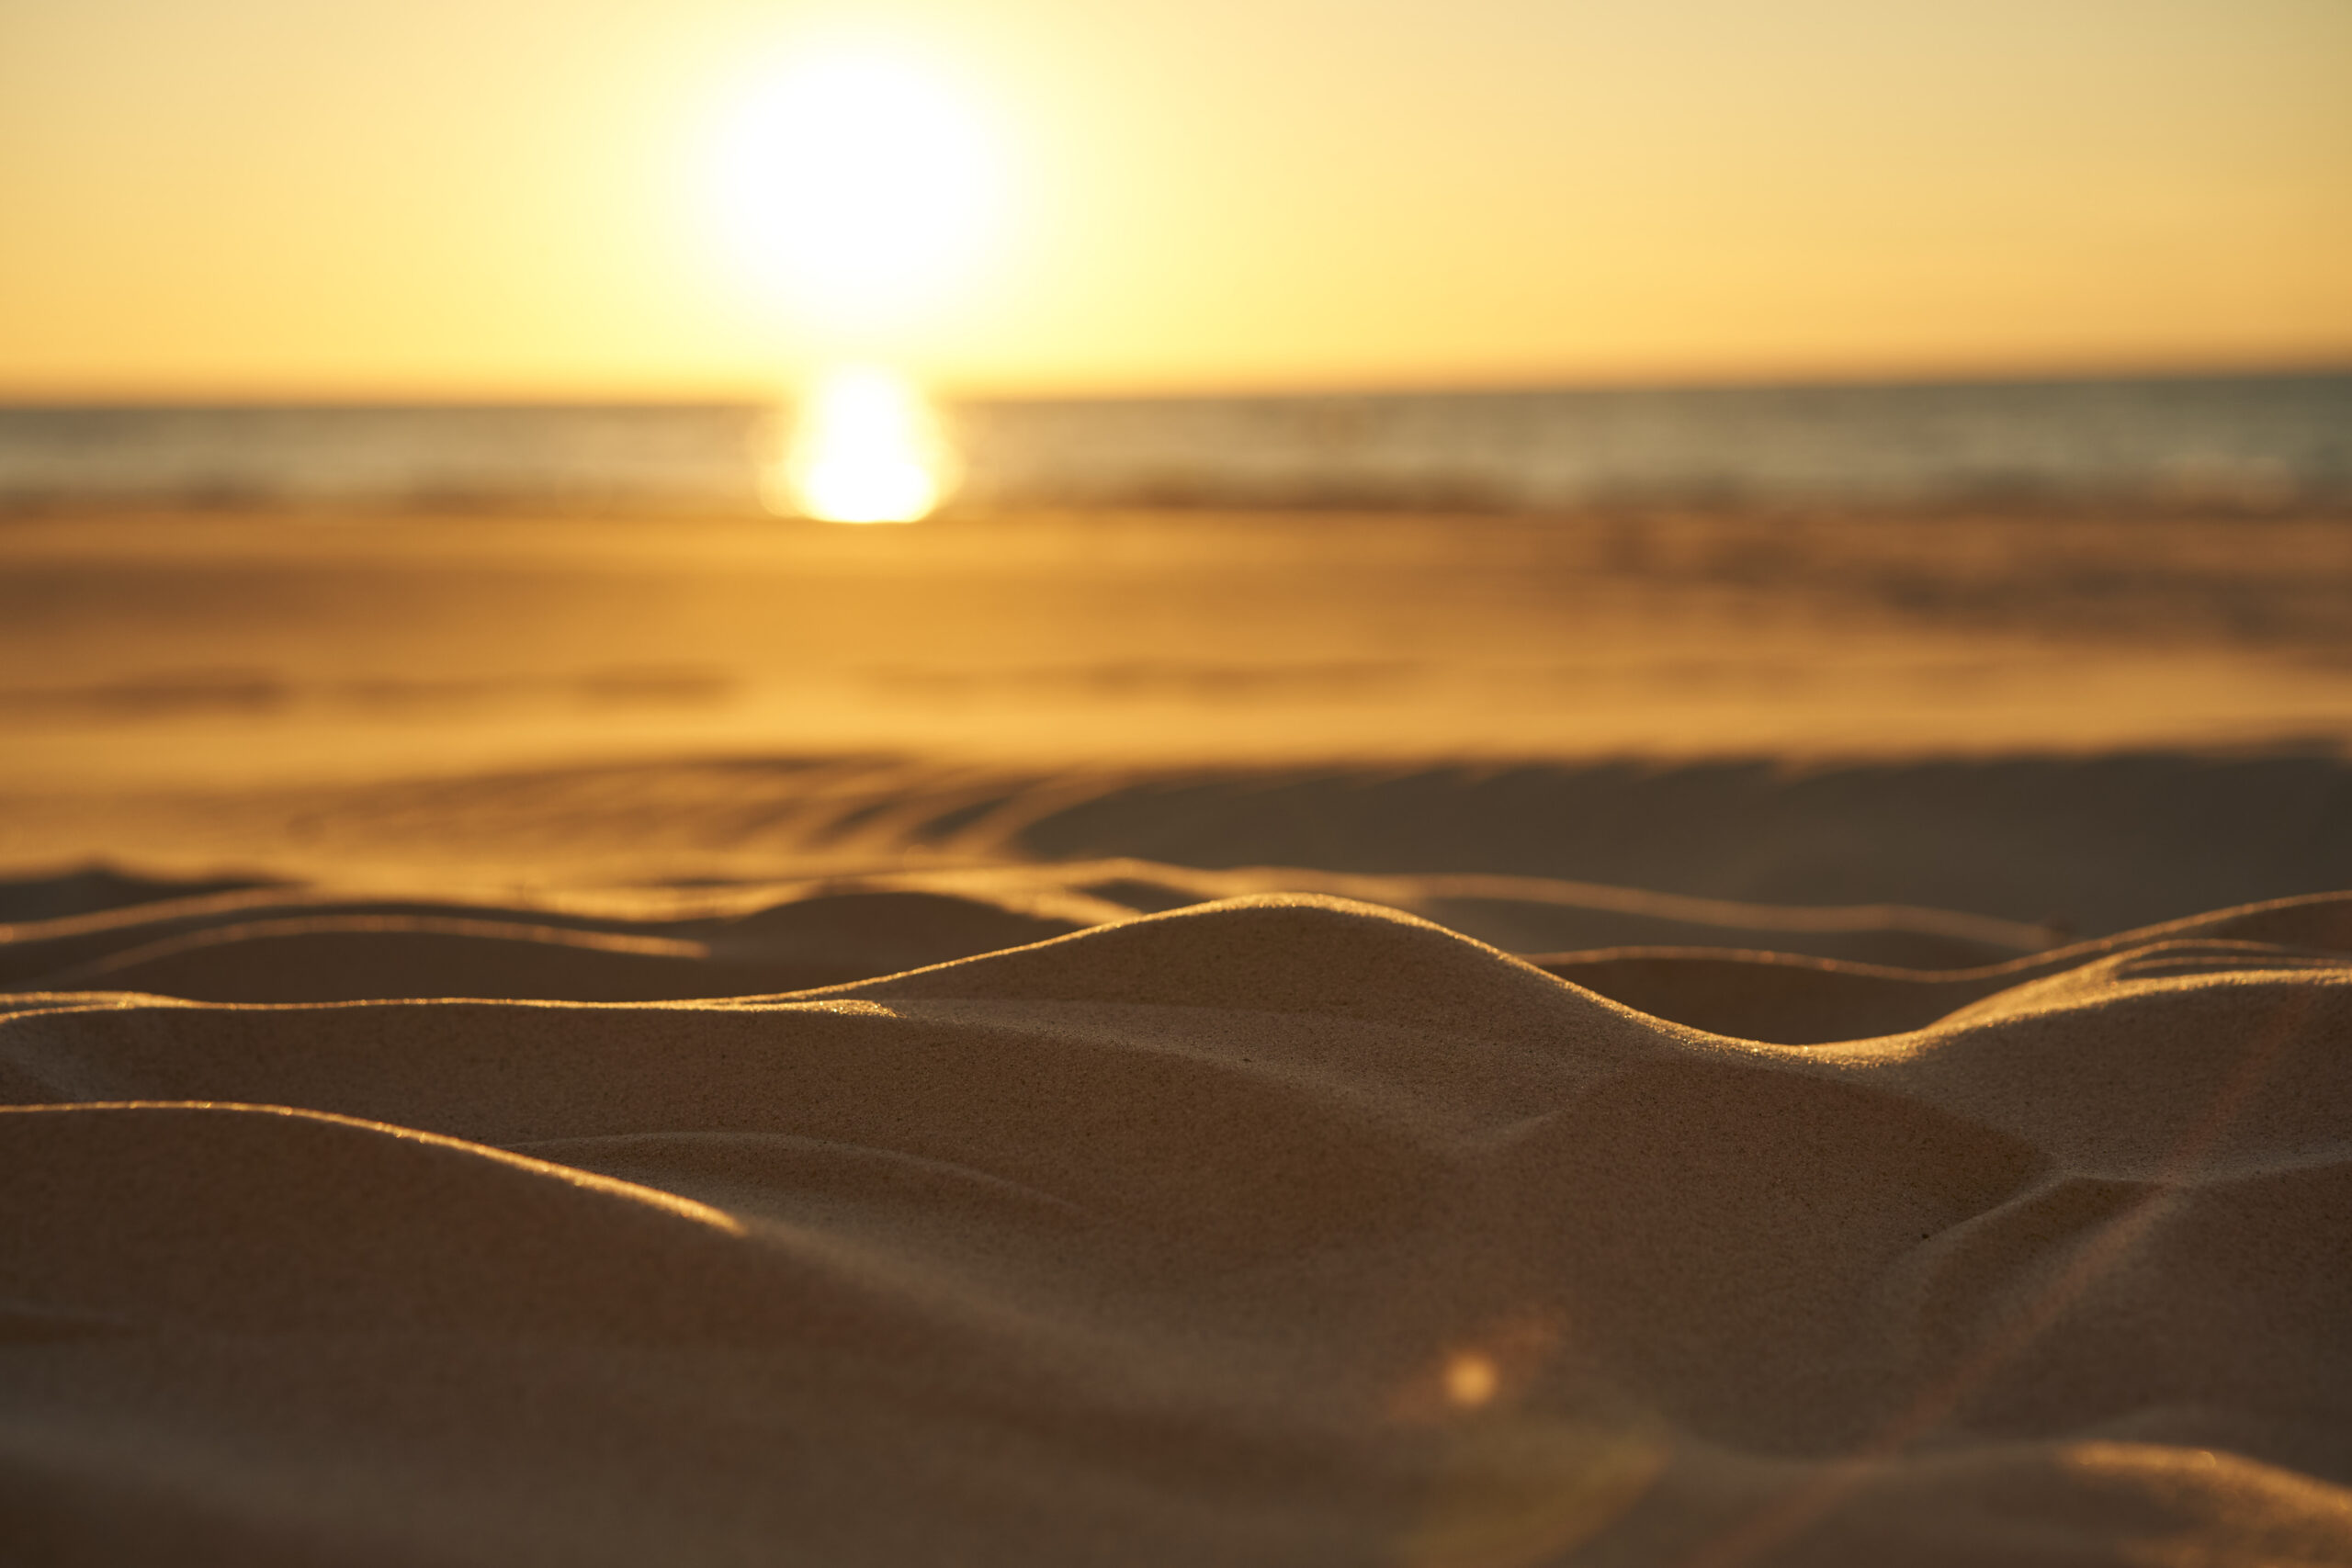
pixel 1196 1040
pixel 181 648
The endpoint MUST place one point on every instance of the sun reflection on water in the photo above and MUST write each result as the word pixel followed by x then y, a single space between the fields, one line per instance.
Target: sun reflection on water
pixel 864 447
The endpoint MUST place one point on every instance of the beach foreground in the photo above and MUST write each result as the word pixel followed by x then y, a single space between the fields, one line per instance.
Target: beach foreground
pixel 1271 1229
pixel 467 1113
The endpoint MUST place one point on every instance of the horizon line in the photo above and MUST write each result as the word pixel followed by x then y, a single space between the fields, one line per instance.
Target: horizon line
pixel 739 395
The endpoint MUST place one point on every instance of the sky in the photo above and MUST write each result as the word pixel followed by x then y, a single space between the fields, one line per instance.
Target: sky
pixel 420 198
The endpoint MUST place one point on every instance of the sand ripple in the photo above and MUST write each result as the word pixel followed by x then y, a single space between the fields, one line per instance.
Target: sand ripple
pixel 981 1218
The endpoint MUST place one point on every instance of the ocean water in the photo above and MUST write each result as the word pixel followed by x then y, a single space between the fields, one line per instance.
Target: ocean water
pixel 440 457
pixel 2267 442
pixel 2260 443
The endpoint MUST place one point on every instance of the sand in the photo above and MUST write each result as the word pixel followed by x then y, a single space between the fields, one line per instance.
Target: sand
pixel 232 651
pixel 515 1128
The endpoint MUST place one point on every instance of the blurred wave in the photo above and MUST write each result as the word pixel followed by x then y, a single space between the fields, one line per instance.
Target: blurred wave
pixel 2250 443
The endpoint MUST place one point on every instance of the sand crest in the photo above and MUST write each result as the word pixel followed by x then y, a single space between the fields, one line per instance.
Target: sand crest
pixel 1284 1228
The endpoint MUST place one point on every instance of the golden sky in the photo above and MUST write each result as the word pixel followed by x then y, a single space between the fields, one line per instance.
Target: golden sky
pixel 502 198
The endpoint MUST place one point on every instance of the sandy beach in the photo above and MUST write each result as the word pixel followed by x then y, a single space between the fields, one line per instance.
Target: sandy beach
pixel 1177 1038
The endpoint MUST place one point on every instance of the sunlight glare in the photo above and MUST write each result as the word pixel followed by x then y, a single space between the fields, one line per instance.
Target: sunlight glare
pixel 857 183
pixel 1471 1379
pixel 864 449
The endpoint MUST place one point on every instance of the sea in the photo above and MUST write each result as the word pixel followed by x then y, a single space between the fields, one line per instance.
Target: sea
pixel 2255 444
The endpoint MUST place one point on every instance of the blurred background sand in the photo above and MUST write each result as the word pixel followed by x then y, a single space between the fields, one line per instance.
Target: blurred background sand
pixel 170 649
pixel 2097 721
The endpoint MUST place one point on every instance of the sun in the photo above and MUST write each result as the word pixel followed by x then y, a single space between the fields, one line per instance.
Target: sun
pixel 859 184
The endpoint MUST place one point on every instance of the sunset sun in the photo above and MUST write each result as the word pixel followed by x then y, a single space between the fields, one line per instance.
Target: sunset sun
pixel 858 185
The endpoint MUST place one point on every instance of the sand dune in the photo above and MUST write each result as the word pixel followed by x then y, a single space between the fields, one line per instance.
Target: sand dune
pixel 1277 1228
pixel 1998 855
pixel 1435 1043
pixel 285 943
